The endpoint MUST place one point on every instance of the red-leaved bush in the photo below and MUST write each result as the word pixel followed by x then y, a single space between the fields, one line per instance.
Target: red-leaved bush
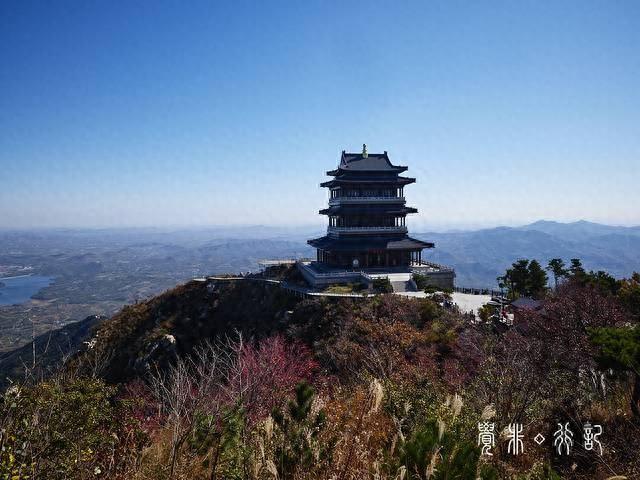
pixel 269 372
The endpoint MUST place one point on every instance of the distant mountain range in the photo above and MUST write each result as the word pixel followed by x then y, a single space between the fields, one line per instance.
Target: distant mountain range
pixel 480 256
pixel 98 271
pixel 579 230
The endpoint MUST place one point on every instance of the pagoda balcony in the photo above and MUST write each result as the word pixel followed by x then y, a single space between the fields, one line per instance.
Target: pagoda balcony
pixel 367 230
pixel 361 200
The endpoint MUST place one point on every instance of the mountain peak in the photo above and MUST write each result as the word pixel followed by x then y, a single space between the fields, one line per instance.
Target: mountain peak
pixel 540 223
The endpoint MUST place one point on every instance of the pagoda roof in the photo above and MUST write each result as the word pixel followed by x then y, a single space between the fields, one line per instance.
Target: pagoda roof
pixel 368 179
pixel 368 209
pixel 361 162
pixel 368 243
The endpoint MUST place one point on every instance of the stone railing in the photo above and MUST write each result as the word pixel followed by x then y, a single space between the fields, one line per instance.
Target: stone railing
pixel 343 274
pixel 399 229
pixel 271 262
pixel 341 200
pixel 430 266
pixel 478 291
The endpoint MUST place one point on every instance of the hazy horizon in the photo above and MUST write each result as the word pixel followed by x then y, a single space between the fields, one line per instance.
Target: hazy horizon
pixel 175 115
pixel 417 227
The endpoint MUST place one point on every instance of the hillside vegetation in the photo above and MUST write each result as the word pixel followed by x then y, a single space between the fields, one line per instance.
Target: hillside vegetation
pixel 239 379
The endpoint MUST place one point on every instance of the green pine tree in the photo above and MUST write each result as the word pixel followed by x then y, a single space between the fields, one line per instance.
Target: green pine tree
pixel 620 351
pixel 298 448
pixel 557 267
pixel 537 280
pixel 438 453
pixel 576 270
pixel 218 438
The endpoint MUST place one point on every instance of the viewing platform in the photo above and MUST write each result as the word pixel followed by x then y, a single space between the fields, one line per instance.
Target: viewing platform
pixel 320 275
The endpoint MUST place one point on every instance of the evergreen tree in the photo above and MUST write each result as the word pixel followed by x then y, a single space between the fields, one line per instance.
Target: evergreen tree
pixel 629 295
pixel 537 280
pixel 603 281
pixel 218 438
pixel 620 351
pixel 557 267
pixel 437 452
pixel 298 447
pixel 524 279
pixel 517 278
pixel 576 270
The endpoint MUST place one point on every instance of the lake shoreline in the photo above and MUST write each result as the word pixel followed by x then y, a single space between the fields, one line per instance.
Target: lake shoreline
pixel 20 289
pixel 17 276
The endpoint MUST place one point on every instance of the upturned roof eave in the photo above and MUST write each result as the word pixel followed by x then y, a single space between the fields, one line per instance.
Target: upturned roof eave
pixel 392 169
pixel 392 181
pixel 367 243
pixel 368 210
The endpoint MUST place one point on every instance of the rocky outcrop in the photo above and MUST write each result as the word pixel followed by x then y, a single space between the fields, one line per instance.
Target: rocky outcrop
pixel 151 334
pixel 160 354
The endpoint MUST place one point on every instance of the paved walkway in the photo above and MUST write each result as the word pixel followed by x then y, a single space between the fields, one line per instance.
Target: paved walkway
pixel 465 301
pixel 468 302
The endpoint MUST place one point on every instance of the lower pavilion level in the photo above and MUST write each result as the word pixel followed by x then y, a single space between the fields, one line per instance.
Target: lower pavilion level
pixel 370 259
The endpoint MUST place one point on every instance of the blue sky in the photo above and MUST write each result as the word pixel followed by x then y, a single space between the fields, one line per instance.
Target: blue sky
pixel 196 113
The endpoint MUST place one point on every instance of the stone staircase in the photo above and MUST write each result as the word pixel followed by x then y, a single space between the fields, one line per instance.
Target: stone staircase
pixel 404 286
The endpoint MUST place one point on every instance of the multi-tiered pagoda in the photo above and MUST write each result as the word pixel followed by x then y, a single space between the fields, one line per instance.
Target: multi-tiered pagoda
pixel 367 215
pixel 367 233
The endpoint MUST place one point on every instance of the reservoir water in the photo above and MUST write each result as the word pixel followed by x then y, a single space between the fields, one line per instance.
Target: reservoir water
pixel 16 290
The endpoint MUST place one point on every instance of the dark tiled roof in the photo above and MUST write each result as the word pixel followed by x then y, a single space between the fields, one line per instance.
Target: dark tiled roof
pixel 354 180
pixel 373 162
pixel 368 210
pixel 368 243
pixel 526 303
